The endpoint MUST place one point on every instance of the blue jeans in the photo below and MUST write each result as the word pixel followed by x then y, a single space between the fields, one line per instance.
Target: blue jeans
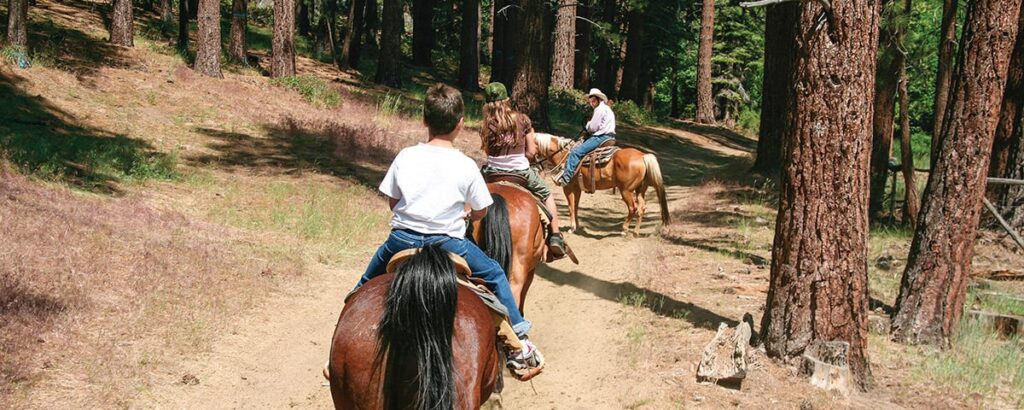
pixel 580 151
pixel 481 265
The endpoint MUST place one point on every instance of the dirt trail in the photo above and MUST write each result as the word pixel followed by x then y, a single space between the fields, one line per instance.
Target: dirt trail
pixel 273 359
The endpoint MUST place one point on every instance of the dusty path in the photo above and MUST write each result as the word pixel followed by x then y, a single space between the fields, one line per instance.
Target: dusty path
pixel 273 359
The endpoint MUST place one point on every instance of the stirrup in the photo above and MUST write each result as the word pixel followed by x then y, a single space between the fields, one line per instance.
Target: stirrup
pixel 556 245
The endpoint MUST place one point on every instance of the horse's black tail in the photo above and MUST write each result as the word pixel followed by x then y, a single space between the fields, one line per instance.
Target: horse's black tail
pixel 496 233
pixel 415 334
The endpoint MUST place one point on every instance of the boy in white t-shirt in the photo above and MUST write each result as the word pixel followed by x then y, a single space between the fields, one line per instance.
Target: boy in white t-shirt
pixel 430 186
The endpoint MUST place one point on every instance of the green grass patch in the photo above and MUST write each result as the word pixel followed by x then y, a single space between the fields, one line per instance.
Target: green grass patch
pixel 890 243
pixel 978 362
pixel 333 221
pixel 311 88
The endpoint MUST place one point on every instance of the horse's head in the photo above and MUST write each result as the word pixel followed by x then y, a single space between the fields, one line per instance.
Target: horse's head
pixel 551 146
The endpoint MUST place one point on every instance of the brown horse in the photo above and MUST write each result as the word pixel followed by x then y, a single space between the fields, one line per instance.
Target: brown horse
pixel 388 352
pixel 414 340
pixel 512 235
pixel 630 170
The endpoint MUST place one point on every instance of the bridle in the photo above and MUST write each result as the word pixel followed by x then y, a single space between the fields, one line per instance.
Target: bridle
pixel 549 157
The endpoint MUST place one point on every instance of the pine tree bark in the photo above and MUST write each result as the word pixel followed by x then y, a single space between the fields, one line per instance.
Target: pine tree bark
pixel 499 21
pixel 302 19
pixel 1009 116
pixel 372 22
pixel 183 26
pixel 884 119
pixel 469 59
pixel 607 51
pixel 208 39
pixel 238 46
pixel 630 89
pixel 943 77
pixel 934 284
pixel 779 53
pixel 283 42
pixel 350 48
pixel 423 32
pixel 533 72
pixel 17 23
pixel 563 58
pixel 818 285
pixel 193 9
pixel 1012 200
pixel 389 57
pixel 584 35
pixel 705 101
pixel 121 28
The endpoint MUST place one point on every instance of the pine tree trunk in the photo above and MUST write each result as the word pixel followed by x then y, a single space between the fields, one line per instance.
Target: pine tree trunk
pixel 705 102
pixel 121 28
pixel 818 285
pixel 1012 200
pixel 422 32
pixel 469 61
pixel 779 52
pixel 934 284
pixel 584 36
pixel 884 118
pixel 563 58
pixel 208 39
pixel 498 23
pixel 910 201
pixel 283 43
pixel 193 9
pixel 166 11
pixel 389 58
pixel 676 109
pixel 606 51
pixel 630 89
pixel 183 26
pixel 533 73
pixel 17 23
pixel 944 77
pixel 371 24
pixel 350 48
pixel 302 18
pixel 238 47
pixel 1009 117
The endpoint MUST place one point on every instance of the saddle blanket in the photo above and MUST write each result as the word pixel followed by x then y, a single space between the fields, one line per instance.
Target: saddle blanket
pixel 603 155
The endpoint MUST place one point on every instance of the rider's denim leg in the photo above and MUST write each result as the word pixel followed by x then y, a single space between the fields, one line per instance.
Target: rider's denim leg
pixel 580 151
pixel 490 271
pixel 397 241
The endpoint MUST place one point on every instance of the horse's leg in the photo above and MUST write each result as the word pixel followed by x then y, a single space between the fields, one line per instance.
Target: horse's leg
pixel 641 207
pixel 572 197
pixel 627 197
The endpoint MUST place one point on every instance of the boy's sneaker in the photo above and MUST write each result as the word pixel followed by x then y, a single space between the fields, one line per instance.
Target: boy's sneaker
pixel 556 245
pixel 528 358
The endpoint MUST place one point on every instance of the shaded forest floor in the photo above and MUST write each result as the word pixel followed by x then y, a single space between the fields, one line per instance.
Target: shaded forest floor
pixel 178 241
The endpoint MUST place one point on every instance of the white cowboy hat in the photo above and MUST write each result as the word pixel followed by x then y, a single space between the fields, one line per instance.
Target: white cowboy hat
pixel 597 93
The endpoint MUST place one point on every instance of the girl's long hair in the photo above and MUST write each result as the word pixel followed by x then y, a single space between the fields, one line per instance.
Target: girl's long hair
pixel 500 128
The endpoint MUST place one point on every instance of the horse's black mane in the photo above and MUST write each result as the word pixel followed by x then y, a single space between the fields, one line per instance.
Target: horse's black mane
pixel 415 334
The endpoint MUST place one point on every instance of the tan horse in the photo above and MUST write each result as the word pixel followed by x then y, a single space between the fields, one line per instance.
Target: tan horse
pixel 630 170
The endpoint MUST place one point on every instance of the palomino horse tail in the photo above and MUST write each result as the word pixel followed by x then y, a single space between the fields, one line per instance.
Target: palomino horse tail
pixel 496 233
pixel 415 334
pixel 653 178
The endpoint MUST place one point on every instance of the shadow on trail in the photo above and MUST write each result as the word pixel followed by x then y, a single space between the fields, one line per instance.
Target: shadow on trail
pixel 717 247
pixel 292 147
pixel 627 292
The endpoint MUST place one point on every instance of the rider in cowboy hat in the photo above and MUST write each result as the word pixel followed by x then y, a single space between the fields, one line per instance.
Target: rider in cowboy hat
pixel 601 128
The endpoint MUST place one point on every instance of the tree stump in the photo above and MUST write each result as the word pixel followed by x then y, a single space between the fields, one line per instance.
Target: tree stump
pixel 724 360
pixel 826 364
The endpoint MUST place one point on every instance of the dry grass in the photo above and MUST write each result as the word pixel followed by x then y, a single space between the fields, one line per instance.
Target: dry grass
pixel 122 285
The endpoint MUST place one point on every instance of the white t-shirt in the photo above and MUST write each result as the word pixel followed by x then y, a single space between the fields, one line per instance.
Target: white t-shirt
pixel 432 185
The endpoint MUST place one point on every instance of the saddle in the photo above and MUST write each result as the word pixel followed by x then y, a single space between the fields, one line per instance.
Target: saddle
pixel 596 158
pixel 506 335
